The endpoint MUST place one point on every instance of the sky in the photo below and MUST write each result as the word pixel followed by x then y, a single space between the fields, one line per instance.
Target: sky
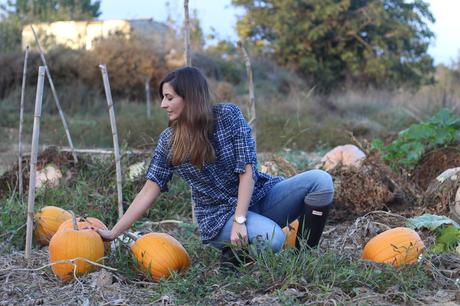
pixel 446 47
pixel 217 14
pixel 222 16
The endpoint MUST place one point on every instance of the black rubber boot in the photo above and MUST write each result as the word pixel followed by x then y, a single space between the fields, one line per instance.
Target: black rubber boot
pixel 232 258
pixel 311 225
pixel 228 260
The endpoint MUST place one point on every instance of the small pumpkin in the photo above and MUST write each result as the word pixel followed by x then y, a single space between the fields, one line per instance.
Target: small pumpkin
pixel 47 221
pixel 291 234
pixel 396 246
pixel 158 254
pixel 69 244
pixel 86 223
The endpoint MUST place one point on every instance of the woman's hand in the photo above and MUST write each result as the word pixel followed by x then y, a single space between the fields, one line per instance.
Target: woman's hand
pixel 106 235
pixel 239 235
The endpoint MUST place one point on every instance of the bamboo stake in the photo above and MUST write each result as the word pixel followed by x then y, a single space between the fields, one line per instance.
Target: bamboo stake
pixel 33 159
pixel 56 99
pixel 188 49
pixel 116 147
pixel 21 121
pixel 252 101
pixel 96 151
pixel 188 63
pixel 147 94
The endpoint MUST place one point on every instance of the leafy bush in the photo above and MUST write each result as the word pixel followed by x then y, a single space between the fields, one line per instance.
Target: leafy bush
pixel 412 143
pixel 215 67
pixel 128 65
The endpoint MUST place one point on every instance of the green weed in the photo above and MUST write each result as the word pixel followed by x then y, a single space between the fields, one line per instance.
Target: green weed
pixel 406 150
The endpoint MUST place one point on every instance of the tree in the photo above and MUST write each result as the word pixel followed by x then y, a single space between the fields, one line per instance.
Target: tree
pixel 15 14
pixel 332 42
pixel 52 10
pixel 196 32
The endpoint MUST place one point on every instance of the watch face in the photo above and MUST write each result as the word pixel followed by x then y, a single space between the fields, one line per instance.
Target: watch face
pixel 240 219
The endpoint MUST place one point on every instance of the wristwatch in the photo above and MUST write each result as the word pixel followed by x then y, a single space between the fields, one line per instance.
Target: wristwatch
pixel 239 219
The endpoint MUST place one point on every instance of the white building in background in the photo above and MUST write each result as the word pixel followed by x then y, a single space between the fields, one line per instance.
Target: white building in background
pixel 83 34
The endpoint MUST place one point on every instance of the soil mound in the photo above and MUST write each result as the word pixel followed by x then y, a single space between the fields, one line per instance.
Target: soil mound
pixel 443 194
pixel 51 155
pixel 434 163
pixel 373 186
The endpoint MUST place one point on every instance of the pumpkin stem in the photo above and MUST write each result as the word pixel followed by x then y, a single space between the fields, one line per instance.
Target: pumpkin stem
pixel 131 235
pixel 74 221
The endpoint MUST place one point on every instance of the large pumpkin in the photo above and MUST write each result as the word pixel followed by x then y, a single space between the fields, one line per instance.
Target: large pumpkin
pixel 159 254
pixel 47 221
pixel 69 244
pixel 86 223
pixel 397 246
pixel 291 234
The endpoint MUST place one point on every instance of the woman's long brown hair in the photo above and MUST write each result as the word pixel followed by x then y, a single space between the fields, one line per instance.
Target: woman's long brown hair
pixel 194 127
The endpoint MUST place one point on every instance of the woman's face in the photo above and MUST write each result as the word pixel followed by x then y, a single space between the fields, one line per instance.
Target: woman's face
pixel 172 102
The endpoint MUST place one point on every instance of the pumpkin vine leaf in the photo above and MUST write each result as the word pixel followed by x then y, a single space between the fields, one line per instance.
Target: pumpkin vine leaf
pixel 442 129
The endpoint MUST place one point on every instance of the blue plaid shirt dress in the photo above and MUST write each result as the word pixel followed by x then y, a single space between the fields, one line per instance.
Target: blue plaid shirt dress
pixel 215 185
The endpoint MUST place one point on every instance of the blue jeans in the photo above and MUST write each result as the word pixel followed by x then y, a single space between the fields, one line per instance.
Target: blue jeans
pixel 282 205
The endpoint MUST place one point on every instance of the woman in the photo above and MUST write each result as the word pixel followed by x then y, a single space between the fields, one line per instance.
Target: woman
pixel 211 148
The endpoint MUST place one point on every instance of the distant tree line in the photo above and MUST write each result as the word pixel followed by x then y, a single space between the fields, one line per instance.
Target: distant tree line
pixel 334 43
pixel 330 43
pixel 15 14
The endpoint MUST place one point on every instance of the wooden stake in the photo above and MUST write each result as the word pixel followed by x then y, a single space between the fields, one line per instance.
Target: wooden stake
pixel 188 63
pixel 21 121
pixel 252 101
pixel 116 147
pixel 33 160
pixel 188 49
pixel 147 95
pixel 56 99
pixel 96 151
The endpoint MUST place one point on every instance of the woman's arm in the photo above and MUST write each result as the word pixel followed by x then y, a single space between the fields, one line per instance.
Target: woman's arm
pixel 143 201
pixel 239 233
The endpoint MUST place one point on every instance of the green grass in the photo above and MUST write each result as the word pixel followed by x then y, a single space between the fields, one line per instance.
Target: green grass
pixel 12 222
pixel 301 122
pixel 309 272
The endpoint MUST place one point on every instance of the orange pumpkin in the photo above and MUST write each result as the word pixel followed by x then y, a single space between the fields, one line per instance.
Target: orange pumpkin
pixel 47 221
pixel 69 244
pixel 159 254
pixel 397 246
pixel 291 234
pixel 87 223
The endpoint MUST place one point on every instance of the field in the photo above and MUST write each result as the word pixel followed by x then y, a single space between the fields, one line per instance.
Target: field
pixel 296 127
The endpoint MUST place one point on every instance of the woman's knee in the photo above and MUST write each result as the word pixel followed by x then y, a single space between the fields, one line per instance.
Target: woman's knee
pixel 322 179
pixel 322 192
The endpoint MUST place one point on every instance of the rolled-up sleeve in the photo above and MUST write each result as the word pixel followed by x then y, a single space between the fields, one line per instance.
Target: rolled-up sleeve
pixel 243 142
pixel 160 170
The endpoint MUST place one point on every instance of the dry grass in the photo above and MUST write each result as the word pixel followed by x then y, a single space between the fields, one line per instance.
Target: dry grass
pixel 28 283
